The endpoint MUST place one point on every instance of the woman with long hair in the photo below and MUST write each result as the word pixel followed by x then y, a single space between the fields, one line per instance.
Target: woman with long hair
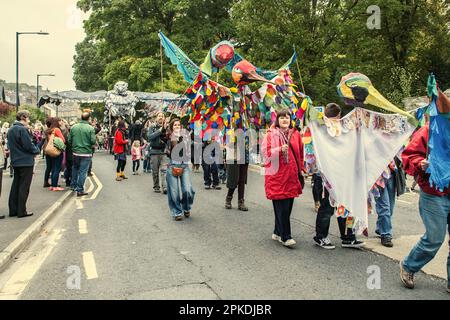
pixel 282 149
pixel 54 163
pixel 178 172
pixel 120 150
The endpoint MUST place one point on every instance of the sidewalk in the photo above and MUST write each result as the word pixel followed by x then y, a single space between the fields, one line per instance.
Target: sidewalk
pixel 39 200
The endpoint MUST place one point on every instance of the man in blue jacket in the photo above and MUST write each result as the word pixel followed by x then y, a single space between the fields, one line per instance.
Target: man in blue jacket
pixel 22 152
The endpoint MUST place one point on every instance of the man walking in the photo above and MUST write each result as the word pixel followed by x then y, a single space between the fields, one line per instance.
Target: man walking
pixel 22 152
pixel 158 157
pixel 434 208
pixel 82 138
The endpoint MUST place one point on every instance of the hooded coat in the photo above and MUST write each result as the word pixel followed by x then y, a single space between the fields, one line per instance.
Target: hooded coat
pixel 281 172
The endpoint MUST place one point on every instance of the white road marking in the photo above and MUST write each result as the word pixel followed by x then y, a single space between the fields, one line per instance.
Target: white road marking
pixel 89 265
pixel 91 186
pixel 99 187
pixel 82 226
pixel 15 285
pixel 79 204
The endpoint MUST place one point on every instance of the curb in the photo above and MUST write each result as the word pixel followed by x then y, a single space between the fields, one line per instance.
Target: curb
pixel 10 252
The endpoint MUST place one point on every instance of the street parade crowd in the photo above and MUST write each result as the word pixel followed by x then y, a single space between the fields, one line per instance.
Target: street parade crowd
pixel 358 159
pixel 168 152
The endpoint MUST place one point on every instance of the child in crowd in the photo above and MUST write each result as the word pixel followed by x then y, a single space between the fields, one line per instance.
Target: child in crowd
pixel 136 156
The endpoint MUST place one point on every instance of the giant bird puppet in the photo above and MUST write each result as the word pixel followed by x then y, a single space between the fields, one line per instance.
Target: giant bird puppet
pixel 214 106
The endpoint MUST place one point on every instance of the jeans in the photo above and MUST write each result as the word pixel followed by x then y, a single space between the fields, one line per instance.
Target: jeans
pixel 79 172
pixel 20 189
pixel 323 218
pixel 385 208
pixel 283 209
pixel 56 169
pixel 48 168
pixel 146 165
pixel 435 214
pixel 180 201
pixel 208 171
pixel 159 167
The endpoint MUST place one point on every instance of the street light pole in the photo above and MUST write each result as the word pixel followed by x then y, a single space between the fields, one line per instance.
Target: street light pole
pixel 37 86
pixel 17 62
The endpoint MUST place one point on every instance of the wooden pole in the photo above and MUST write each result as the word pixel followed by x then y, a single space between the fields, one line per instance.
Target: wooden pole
pixel 162 74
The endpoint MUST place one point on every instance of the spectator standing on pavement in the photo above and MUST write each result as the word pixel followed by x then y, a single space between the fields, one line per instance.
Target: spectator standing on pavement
pixel 434 208
pixel 179 183
pixel 120 150
pixel 326 211
pixel 68 155
pixel 82 140
pixel 157 137
pixel 23 153
pixel 55 162
pixel 282 149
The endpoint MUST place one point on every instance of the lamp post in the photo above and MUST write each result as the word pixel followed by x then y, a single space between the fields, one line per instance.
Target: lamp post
pixel 17 62
pixel 37 85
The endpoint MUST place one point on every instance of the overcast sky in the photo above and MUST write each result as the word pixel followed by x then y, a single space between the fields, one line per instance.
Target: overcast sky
pixel 40 54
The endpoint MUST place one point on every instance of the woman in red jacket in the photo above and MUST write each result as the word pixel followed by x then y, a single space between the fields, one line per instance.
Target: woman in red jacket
pixel 282 149
pixel 120 150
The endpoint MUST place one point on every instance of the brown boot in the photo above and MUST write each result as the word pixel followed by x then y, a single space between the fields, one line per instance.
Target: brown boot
pixel 228 202
pixel 241 205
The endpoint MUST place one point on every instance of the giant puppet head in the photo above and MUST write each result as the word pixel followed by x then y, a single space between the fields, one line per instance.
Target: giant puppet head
pixel 357 90
pixel 221 54
pixel 244 73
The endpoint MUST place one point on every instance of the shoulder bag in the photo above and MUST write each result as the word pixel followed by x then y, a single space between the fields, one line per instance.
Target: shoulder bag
pixel 50 148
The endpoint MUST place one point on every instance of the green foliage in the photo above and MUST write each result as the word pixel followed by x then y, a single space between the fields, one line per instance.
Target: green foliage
pixel 35 114
pixel 331 37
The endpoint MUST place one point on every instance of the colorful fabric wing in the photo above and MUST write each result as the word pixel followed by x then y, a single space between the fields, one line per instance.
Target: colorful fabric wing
pixel 439 137
pixel 352 152
pixel 177 57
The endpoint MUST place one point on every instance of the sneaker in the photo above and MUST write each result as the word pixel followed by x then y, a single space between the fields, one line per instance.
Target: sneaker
pixel 406 277
pixel 164 191
pixel 187 214
pixel 217 187
pixel 324 243
pixel 387 242
pixel 353 244
pixel 276 238
pixel 178 218
pixel 289 243
pixel 157 190
pixel 378 234
pixel 207 187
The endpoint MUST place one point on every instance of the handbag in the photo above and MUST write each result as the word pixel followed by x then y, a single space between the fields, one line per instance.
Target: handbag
pixel 50 148
pixel 177 172
pixel 301 178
